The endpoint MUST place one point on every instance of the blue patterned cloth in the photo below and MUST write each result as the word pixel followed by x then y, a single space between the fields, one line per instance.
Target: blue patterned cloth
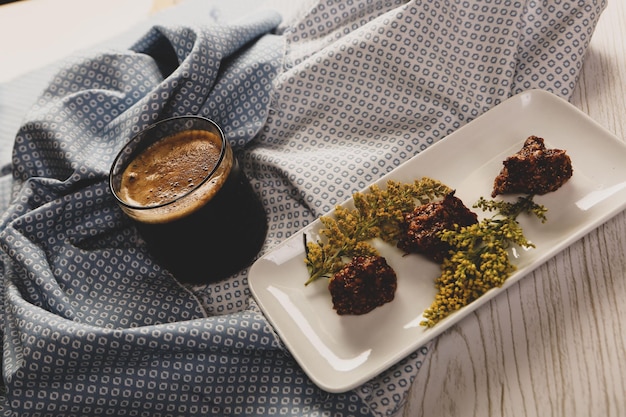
pixel 316 108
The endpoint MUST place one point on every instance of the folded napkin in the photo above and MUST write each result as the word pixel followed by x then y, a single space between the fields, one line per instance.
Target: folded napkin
pixel 316 108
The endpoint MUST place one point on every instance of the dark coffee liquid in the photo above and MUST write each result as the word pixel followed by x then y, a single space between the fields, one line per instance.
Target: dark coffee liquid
pixel 191 202
pixel 231 226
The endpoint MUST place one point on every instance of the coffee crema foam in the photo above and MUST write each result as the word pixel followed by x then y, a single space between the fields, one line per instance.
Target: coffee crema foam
pixel 168 180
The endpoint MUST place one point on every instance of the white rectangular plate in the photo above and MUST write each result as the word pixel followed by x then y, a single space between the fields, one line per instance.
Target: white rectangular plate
pixel 341 352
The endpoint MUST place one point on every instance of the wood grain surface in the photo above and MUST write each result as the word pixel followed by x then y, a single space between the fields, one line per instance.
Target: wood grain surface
pixel 555 343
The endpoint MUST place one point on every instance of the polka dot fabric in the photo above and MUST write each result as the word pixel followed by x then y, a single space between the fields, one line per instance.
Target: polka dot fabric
pixel 345 93
pixel 371 84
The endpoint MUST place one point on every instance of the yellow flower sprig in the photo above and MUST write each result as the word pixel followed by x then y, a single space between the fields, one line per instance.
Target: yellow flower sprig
pixel 376 214
pixel 479 260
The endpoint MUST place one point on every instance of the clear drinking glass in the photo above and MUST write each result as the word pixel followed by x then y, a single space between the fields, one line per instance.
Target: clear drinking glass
pixel 180 183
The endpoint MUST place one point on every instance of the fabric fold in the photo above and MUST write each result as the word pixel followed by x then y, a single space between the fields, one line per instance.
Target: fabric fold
pixel 92 324
pixel 407 76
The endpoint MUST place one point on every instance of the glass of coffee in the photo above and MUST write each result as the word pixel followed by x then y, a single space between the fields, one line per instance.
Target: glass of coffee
pixel 181 184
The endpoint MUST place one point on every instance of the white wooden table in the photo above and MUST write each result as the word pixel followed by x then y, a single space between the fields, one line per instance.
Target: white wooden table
pixel 555 343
